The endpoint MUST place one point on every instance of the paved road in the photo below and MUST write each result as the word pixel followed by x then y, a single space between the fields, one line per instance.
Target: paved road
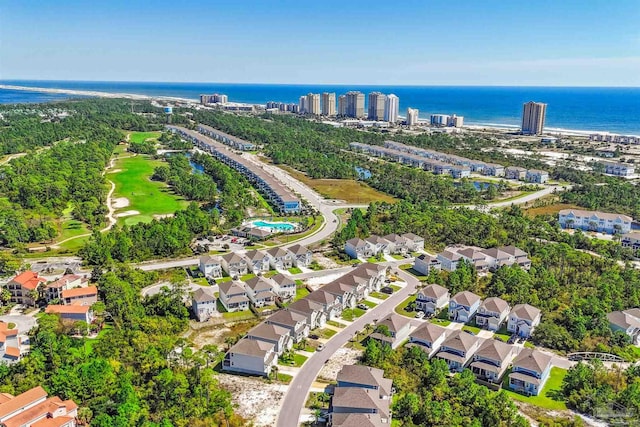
pixel 296 396
pixel 23 322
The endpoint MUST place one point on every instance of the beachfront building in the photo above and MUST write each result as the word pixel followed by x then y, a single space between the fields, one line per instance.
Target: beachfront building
pixel 233 296
pixel 627 322
pixel 457 349
pixel 523 319
pixel 355 104
pixel 439 120
pixel 203 305
pixel 492 312
pixel 428 337
pixel 432 298
pixel 515 172
pixel 376 106
pixel 412 116
pixel 313 104
pixel 455 121
pixel 251 356
pixel 609 223
pixel 537 176
pixel 279 195
pixel 463 306
pixel 391 107
pixel 23 288
pixel 329 104
pixel 424 264
pixel 342 105
pixel 618 169
pixel 533 116
pixel 530 372
pixel 34 408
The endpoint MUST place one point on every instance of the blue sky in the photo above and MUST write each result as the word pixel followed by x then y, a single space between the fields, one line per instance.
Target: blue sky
pixel 467 42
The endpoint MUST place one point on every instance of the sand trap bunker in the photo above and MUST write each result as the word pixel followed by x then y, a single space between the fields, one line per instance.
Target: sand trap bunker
pixel 120 202
pixel 126 213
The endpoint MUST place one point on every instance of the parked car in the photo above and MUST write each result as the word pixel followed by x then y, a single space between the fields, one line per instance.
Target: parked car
pixel 419 315
pixel 387 290
pixel 363 307
pixel 314 336
pixel 320 348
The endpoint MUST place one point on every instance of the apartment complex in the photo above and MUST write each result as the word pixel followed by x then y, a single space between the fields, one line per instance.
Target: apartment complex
pixel 391 108
pixel 412 116
pixel 225 138
pixel 342 105
pixel 618 169
pixel 24 287
pixel 355 104
pixel 603 222
pixel 533 116
pixel 34 408
pixel 281 197
pixel 216 98
pixel 313 104
pixel 377 102
pixel 328 104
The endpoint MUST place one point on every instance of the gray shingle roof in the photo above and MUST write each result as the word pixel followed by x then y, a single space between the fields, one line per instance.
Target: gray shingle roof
pixel 532 360
pixel 525 311
pixel 465 298
pixel 200 295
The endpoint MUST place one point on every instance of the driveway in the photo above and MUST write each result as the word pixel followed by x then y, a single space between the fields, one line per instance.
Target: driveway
pixel 23 323
pixel 299 388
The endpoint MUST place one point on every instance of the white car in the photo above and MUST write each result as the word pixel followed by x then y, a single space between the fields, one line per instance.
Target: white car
pixel 420 315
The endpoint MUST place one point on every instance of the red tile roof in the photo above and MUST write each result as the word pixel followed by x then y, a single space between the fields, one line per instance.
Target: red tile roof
pixel 29 280
pixel 22 400
pixel 80 292
pixel 67 309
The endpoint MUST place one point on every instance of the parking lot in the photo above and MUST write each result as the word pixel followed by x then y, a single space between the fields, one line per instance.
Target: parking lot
pixel 221 243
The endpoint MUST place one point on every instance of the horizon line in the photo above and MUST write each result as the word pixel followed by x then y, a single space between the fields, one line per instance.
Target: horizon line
pixel 317 84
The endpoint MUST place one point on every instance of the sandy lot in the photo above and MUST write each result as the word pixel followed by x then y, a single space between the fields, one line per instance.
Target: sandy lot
pixel 256 399
pixel 344 356
pixel 316 282
pixel 126 213
pixel 120 202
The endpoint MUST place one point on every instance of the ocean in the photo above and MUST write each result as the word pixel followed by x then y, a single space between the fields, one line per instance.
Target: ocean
pixel 568 108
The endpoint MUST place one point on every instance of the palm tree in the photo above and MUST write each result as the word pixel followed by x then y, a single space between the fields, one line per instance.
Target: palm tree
pixel 317 413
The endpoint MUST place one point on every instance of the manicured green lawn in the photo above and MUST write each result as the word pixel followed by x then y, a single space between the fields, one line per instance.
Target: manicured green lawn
pixel 369 304
pixel 326 333
pixel 149 198
pixel 202 281
pixel 335 324
pixel 143 136
pixel 473 329
pixel 301 292
pixel 236 315
pixel 295 270
pixel 269 273
pixel 409 269
pixel 298 360
pixel 247 277
pixel 223 279
pixel 284 378
pixel 402 307
pixel 374 259
pixel 544 399
pixel 351 314
pixel 396 256
pixel 70 227
pixel 379 295
pixel 395 288
pixel 441 322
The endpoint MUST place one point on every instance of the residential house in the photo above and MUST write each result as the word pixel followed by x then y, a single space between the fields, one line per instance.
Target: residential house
pixel 345 294
pixel 71 313
pixel 492 359
pixel 492 169
pixel 397 243
pixel 380 245
pixel 34 408
pixel 258 261
pixel 515 172
pixel 274 334
pixel 250 356
pixel 359 282
pixel 610 223
pixel 424 264
pixel 329 302
pixel 632 241
pixel 429 337
pixel 449 260
pixel 203 305
pixel 356 400
pixel 313 311
pixel 233 296
pixel 357 420
pixel 296 323
pixel 463 306
pixel 626 321
pixel 285 287
pixel 280 259
pixel 392 330
pixel 260 291
pixel 235 265
pixel 618 169
pixel 519 256
pixel 302 255
pixel 211 266
pixel 496 258
pixel 523 319
pixel 475 256
pixel 9 344
pixel 492 312
pixel 457 349
pixel 432 298
pixel 415 243
pixel 80 296
pixel 537 176
pixel 376 274
pixel 23 287
pixel 68 281
pixel 358 248
pixel 530 372
pixel 361 376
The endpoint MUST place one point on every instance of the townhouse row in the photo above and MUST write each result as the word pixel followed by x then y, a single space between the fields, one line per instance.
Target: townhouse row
pixel 488 359
pixel 279 195
pixel 389 244
pixel 34 408
pixel 490 313
pixel 448 164
pixel 258 351
pixel 361 397
pixel 482 259
pixel 255 261
pixel 225 138
pixel 603 222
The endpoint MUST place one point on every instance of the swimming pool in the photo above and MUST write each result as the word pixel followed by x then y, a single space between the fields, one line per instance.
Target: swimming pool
pixel 279 226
